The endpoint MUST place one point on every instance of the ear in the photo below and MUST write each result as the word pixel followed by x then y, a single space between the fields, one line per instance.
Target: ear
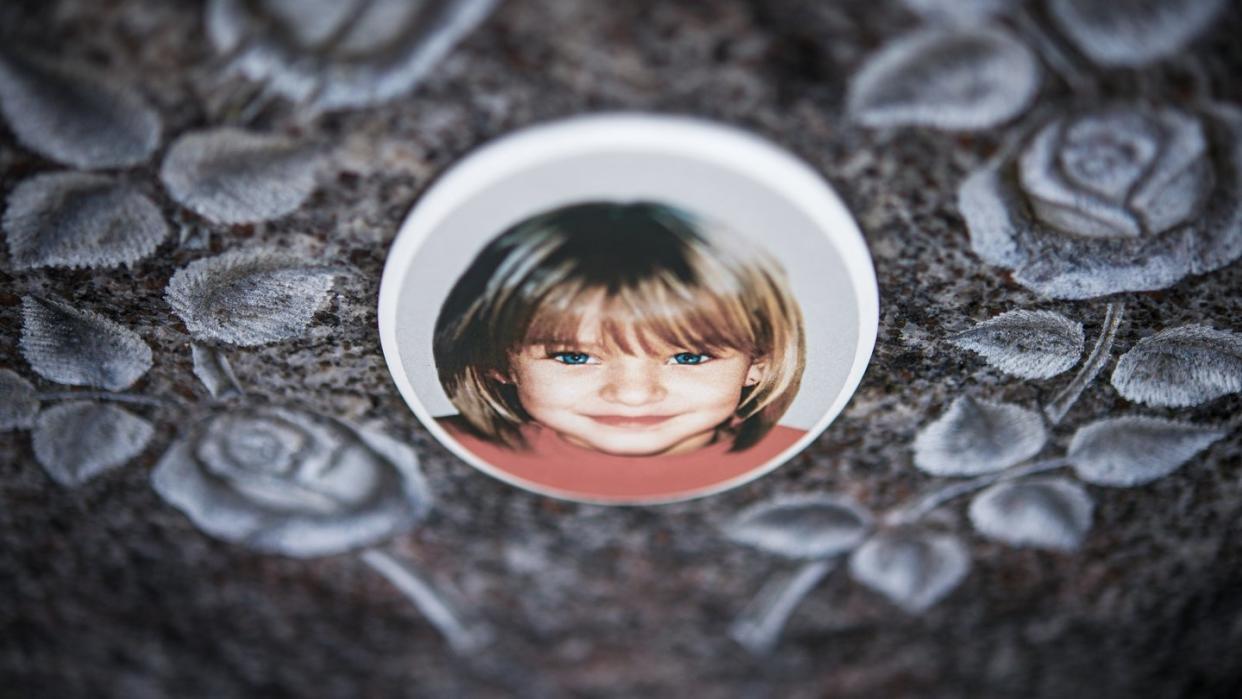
pixel 757 372
pixel 495 375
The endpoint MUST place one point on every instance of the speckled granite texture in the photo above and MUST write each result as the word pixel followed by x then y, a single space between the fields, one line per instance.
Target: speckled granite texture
pixel 107 590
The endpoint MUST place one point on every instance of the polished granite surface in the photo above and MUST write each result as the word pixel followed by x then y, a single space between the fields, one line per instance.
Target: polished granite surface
pixel 1035 492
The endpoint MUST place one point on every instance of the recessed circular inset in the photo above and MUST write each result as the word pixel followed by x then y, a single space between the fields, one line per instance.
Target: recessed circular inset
pixel 628 309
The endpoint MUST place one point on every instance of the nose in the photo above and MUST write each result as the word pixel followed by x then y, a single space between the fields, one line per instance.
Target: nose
pixel 633 382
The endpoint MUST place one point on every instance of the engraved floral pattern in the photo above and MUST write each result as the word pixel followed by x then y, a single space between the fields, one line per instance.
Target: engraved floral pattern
pixel 1100 200
pixel 334 55
pixel 1111 199
pixel 292 482
pixel 278 480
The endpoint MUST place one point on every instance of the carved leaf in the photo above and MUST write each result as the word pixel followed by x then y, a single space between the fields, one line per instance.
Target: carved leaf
pixel 1026 344
pixel 70 219
pixel 1180 367
pixel 213 369
pixel 974 437
pixel 81 348
pixel 18 404
pixel 1132 32
pixel 962 78
pixel 914 569
pixel 74 115
pixel 79 440
pixel 1130 451
pixel 802 527
pixel 231 176
pixel 248 297
pixel 1050 513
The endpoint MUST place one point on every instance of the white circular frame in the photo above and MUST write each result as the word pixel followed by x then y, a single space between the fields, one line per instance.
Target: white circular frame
pixel 708 142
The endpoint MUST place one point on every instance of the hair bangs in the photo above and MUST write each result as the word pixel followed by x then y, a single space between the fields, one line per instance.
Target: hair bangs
pixel 656 315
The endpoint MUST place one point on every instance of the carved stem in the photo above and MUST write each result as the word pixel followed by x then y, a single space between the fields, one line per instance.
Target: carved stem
pixel 258 103
pixel 213 369
pixel 1061 404
pixel 921 507
pixel 759 625
pixel 1200 78
pixel 114 397
pixel 343 27
pixel 1059 59
pixel 463 636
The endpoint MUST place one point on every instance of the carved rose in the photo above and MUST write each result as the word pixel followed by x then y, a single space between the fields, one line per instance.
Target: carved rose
pixel 292 482
pixel 1116 198
pixel 334 54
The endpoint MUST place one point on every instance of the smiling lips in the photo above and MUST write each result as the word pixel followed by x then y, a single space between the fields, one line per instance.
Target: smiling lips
pixel 630 421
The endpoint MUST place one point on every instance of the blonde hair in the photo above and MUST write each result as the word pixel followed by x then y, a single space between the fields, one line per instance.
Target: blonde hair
pixel 663 276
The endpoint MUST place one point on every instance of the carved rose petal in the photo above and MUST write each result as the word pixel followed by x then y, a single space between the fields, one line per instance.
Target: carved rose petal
pixel 1176 187
pixel 1180 218
pixel 1109 151
pixel 343 487
pixel 1077 174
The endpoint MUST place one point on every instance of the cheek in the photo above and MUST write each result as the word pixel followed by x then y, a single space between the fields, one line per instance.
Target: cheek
pixel 545 384
pixel 719 387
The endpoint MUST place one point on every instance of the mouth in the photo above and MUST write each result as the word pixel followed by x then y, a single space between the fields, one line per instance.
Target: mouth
pixel 632 421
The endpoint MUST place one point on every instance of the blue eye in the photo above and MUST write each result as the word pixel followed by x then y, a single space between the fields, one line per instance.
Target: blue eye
pixel 690 358
pixel 571 357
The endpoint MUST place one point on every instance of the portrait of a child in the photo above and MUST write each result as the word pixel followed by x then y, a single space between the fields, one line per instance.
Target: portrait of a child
pixel 621 350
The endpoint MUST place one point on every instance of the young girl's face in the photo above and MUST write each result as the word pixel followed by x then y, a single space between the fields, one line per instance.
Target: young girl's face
pixel 669 400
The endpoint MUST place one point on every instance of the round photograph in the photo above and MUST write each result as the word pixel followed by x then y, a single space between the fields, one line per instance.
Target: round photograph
pixel 628 309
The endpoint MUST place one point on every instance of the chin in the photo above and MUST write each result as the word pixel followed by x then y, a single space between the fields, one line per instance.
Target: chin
pixel 633 446
pixel 632 450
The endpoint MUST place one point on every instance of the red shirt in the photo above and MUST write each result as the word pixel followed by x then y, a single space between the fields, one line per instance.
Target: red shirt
pixel 551 464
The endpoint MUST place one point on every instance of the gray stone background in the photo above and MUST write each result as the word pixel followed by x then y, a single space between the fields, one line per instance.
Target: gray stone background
pixel 107 590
